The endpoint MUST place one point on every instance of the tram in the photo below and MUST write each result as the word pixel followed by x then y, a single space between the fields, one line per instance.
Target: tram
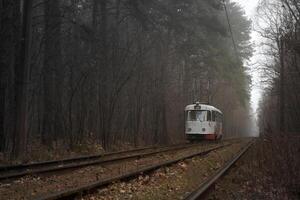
pixel 203 121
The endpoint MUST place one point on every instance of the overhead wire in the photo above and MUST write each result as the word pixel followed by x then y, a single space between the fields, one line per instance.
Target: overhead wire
pixel 231 32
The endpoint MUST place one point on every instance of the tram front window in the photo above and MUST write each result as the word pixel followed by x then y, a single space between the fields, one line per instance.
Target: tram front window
pixel 196 115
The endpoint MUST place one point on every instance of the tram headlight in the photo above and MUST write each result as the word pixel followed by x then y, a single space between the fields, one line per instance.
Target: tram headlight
pixel 203 129
pixel 189 130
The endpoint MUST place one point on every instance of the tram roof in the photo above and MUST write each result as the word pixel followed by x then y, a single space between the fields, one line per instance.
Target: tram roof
pixel 203 107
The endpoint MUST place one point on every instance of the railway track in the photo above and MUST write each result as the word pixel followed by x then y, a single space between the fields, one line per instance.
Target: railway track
pixel 73 192
pixel 16 171
pixel 203 189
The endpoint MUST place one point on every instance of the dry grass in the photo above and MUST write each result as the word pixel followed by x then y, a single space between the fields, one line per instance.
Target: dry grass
pixel 269 170
pixel 279 157
pixel 57 150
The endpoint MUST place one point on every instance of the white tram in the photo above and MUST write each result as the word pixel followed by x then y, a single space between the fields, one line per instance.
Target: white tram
pixel 203 121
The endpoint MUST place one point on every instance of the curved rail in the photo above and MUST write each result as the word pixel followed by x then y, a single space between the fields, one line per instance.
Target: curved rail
pixel 21 166
pixel 15 171
pixel 203 188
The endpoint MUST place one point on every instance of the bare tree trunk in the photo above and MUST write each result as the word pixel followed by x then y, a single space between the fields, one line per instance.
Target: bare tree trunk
pixel 95 27
pixel 52 122
pixel 21 78
pixel 103 75
pixel 2 108
pixel 4 65
pixel 282 86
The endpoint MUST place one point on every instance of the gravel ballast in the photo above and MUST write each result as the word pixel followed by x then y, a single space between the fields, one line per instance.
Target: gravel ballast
pixel 173 182
pixel 30 187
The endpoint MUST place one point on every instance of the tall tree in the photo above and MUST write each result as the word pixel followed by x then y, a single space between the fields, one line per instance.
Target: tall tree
pixel 52 69
pixel 21 79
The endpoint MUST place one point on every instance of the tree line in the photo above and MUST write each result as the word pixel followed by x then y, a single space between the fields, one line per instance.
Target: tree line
pixel 280 26
pixel 279 111
pixel 118 70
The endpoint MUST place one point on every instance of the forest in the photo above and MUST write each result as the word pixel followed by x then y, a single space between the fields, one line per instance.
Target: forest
pixel 114 72
pixel 279 109
pixel 280 27
pixel 149 99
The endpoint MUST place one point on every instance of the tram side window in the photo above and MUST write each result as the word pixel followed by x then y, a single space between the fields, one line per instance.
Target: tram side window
pixel 208 116
pixel 214 116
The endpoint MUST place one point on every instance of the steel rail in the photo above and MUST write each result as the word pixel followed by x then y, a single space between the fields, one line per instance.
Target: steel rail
pixel 19 166
pixel 68 194
pixel 44 167
pixel 203 188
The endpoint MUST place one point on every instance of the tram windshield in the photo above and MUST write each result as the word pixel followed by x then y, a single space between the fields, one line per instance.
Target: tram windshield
pixel 197 115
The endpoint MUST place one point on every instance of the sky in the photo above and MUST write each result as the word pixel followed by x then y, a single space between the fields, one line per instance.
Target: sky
pixel 250 11
pixel 249 6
